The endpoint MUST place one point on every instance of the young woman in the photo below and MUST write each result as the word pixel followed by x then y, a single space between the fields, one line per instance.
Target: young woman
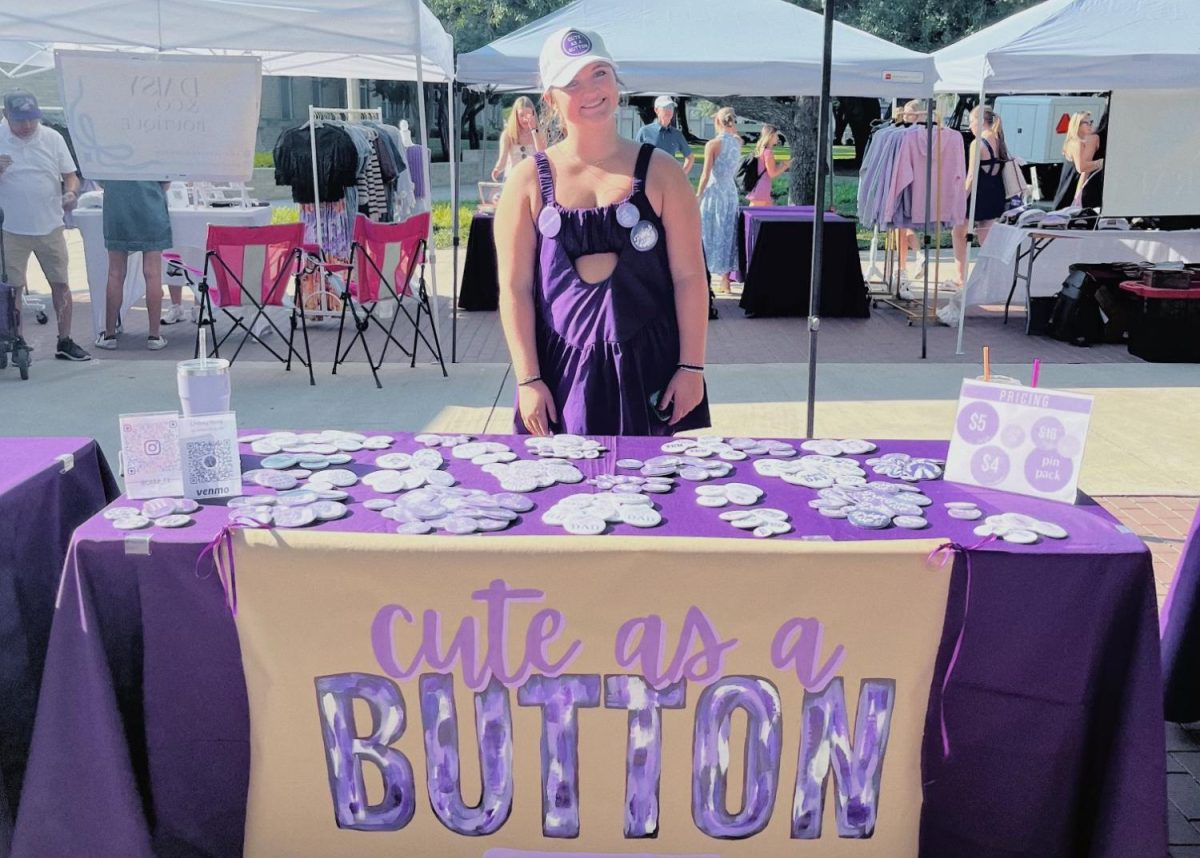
pixel 136 220
pixel 769 169
pixel 521 138
pixel 988 154
pixel 1080 150
pixel 602 293
pixel 719 198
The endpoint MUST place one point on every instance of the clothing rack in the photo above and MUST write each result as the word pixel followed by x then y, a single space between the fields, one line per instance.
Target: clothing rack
pixel 335 114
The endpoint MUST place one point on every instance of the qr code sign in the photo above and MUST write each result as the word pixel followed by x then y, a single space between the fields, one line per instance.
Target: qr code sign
pixel 208 461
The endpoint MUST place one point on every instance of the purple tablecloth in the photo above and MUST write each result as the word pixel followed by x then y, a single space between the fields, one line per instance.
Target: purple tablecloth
pixel 42 501
pixel 1181 634
pixel 1054 710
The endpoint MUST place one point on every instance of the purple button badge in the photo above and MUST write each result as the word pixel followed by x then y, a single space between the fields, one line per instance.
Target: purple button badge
pixel 576 44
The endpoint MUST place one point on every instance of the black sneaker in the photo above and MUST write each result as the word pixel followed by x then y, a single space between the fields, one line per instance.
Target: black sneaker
pixel 68 349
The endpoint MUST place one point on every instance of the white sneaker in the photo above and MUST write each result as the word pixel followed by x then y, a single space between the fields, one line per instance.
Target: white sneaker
pixel 155 343
pixel 106 342
pixel 173 314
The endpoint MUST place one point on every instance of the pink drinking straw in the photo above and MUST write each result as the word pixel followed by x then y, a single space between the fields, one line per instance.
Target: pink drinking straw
pixel 1037 370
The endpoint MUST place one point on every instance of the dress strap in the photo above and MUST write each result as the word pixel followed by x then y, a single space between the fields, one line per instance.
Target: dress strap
pixel 545 178
pixel 642 168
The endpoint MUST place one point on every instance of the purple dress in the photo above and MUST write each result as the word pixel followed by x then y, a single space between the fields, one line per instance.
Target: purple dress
pixel 605 349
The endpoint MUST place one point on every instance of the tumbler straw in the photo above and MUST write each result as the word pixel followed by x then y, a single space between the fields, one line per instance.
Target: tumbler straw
pixel 1037 370
pixel 987 365
pixel 203 348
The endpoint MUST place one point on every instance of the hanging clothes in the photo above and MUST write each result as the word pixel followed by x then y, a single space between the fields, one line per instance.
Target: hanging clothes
pixel 874 176
pixel 948 195
pixel 336 226
pixel 337 162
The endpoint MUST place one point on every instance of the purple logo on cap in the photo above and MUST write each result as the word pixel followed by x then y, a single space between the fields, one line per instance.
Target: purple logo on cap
pixel 576 44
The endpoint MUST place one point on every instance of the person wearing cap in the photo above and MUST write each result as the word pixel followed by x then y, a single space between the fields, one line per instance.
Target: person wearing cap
pixel 38 183
pixel 603 294
pixel 663 135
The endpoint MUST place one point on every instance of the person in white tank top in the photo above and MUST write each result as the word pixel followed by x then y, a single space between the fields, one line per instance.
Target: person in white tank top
pixel 520 139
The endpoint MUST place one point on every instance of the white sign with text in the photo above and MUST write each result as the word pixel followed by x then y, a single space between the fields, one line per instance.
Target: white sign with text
pixel 1024 440
pixel 160 117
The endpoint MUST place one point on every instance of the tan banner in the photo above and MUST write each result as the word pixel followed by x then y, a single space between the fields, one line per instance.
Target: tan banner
pixel 575 695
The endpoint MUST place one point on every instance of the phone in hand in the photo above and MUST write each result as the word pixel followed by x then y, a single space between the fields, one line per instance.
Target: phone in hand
pixel 663 415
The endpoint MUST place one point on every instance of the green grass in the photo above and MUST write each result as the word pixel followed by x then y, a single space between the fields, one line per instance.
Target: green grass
pixel 443 235
pixel 264 159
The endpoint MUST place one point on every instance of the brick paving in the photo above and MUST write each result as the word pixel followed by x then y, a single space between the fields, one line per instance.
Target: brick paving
pixel 1163 523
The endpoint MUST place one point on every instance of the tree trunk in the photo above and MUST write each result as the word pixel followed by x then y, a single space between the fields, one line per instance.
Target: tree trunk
pixel 806 154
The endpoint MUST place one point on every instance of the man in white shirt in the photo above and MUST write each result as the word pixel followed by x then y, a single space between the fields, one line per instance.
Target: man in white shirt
pixel 38 182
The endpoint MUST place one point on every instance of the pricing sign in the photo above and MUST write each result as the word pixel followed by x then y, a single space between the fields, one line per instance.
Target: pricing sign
pixel 1018 439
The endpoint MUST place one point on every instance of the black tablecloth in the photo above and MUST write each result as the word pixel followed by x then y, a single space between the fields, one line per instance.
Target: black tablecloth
pixel 777 275
pixel 481 281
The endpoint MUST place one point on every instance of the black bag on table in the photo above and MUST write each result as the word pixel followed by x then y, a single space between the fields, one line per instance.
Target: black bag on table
pixel 1091 308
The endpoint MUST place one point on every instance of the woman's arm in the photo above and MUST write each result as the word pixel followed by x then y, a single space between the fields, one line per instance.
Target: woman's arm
pixel 671 192
pixel 1084 153
pixel 505 145
pixel 773 169
pixel 973 167
pixel 516 245
pixel 711 148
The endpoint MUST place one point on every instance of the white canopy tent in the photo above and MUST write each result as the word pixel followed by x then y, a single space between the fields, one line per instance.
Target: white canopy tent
pixel 1093 45
pixel 1078 46
pixel 962 65
pixel 327 38
pixel 32 58
pixel 694 47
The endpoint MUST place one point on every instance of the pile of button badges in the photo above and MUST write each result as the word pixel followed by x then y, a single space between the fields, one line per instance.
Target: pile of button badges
pixel 1020 529
pixel 692 468
pixel 902 466
pixel 529 475
pixel 630 484
pixel 407 471
pixel 160 512
pixel 430 439
pixel 328 442
pixel 838 447
pixel 814 471
pixel 739 494
pixel 457 511
pixel 765 522
pixel 963 510
pixel 590 514
pixel 874 506
pixel 294 508
pixel 564 447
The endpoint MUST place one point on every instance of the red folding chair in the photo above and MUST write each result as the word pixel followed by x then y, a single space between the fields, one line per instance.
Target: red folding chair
pixel 256 264
pixel 384 259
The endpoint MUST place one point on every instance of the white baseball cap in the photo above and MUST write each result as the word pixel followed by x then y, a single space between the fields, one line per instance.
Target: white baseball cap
pixel 568 50
pixel 664 101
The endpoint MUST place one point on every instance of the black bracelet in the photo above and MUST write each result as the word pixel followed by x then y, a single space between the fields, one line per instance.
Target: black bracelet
pixel 530 380
pixel 690 367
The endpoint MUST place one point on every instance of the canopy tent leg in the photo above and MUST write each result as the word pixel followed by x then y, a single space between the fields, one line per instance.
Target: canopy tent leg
pixel 925 235
pixel 454 147
pixel 814 295
pixel 427 166
pixel 962 316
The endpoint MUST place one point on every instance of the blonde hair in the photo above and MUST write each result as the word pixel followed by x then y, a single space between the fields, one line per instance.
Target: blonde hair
pixel 990 120
pixel 725 118
pixel 512 128
pixel 768 131
pixel 1077 119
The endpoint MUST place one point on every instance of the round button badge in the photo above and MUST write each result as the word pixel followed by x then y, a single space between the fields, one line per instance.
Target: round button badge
pixel 644 236
pixel 628 215
pixel 549 222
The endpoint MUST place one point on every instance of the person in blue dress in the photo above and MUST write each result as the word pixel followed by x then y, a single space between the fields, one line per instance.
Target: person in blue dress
pixel 718 195
pixel 602 292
